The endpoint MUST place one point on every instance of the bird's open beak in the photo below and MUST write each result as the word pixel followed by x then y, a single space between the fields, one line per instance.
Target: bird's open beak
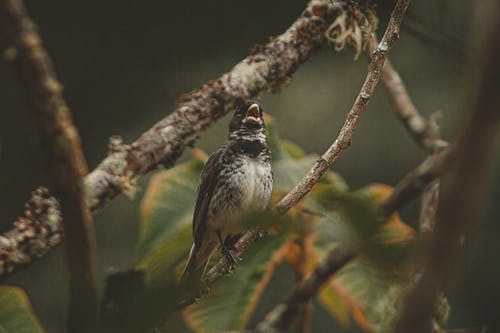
pixel 253 113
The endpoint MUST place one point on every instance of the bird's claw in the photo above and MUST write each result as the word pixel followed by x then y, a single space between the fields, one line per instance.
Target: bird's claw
pixel 226 252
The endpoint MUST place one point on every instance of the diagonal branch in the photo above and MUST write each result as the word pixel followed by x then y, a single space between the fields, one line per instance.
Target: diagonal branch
pixel 267 68
pixel 415 181
pixel 420 30
pixel 62 147
pixel 282 316
pixel 423 131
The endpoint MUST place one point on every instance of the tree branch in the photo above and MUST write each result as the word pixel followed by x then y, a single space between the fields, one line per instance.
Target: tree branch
pixel 424 132
pixel 415 182
pixel 62 146
pixel 34 234
pixel 461 190
pixel 267 68
pixel 281 318
pixel 428 207
pixel 427 34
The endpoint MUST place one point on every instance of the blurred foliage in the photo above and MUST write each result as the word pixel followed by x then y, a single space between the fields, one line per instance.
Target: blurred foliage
pixel 166 214
pixel 16 314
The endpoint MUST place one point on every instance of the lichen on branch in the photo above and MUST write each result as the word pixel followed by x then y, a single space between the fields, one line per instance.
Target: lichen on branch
pixel 33 234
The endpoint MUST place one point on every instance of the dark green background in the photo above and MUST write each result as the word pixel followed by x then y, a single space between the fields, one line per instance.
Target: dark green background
pixel 124 63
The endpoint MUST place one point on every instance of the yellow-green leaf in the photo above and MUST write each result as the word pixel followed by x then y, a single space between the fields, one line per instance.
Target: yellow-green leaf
pixel 385 241
pixel 16 313
pixel 338 303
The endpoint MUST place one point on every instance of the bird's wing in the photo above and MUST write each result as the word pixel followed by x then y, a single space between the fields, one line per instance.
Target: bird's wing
pixel 208 181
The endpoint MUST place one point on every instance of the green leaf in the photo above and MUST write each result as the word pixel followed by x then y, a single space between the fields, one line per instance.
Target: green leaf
pixel 292 150
pixel 272 138
pixel 166 215
pixel 337 303
pixel 290 163
pixel 233 299
pixel 384 241
pixel 160 261
pixel 329 188
pixel 354 291
pixel 375 300
pixel 365 287
pixel 288 172
pixel 16 313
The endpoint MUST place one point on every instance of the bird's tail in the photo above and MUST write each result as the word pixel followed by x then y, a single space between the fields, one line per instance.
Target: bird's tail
pixel 196 265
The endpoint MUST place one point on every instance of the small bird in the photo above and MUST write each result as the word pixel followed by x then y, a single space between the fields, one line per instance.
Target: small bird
pixel 236 178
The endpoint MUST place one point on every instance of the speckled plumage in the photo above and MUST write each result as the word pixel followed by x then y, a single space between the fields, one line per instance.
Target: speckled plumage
pixel 236 178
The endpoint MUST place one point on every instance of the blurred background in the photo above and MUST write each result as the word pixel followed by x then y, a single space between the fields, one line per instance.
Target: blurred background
pixel 124 63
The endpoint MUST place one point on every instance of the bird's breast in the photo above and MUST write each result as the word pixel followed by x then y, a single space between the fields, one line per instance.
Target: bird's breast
pixel 244 183
pixel 256 183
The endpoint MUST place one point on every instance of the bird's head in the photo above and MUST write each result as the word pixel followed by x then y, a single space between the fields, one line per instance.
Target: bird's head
pixel 247 122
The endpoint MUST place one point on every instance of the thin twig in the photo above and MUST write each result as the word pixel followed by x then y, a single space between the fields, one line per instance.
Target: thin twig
pixel 414 182
pixel 267 68
pixel 461 191
pixel 425 33
pixel 62 146
pixel 423 131
pixel 350 125
pixel 282 316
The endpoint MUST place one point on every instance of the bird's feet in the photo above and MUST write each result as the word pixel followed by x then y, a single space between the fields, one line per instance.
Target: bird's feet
pixel 226 252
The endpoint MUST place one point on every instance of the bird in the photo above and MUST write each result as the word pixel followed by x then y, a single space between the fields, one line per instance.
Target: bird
pixel 236 178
